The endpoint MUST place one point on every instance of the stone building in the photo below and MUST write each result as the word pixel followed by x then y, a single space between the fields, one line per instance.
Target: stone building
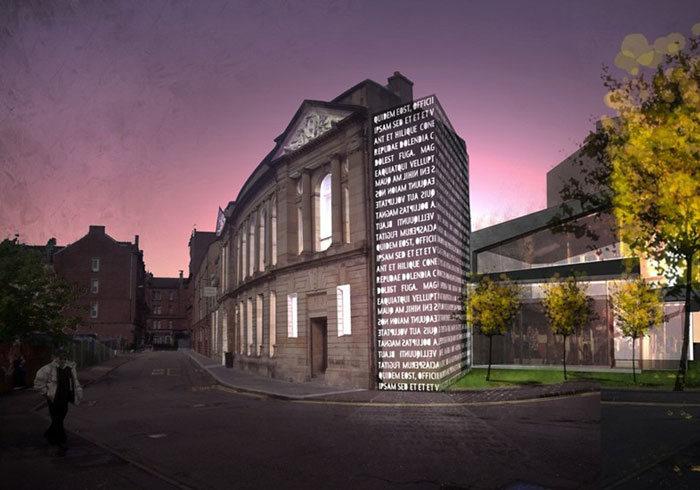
pixel 293 266
pixel 112 275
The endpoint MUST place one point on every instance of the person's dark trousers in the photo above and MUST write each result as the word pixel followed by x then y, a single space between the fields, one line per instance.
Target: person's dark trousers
pixel 55 434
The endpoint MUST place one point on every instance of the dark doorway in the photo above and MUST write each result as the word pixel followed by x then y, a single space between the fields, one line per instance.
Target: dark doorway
pixel 319 346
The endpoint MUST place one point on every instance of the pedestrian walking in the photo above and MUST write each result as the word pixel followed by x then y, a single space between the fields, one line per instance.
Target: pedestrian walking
pixel 58 382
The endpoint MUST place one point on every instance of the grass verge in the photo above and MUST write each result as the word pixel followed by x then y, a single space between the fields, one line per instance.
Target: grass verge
pixel 476 379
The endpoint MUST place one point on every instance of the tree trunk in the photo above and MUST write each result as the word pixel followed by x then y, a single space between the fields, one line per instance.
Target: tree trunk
pixel 565 358
pixel 634 373
pixel 488 373
pixel 680 376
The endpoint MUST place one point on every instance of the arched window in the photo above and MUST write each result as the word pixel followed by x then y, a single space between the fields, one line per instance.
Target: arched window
pixel 325 210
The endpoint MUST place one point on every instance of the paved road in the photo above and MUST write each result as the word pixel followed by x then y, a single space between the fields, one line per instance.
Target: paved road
pixel 27 462
pixel 162 412
pixel 650 440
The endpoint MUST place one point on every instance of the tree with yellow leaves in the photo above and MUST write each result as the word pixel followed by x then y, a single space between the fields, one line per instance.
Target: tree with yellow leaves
pixel 654 152
pixel 637 307
pixel 648 160
pixel 566 306
pixel 491 307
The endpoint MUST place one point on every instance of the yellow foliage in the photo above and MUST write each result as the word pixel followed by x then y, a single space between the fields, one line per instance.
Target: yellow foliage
pixel 491 306
pixel 654 152
pixel 637 307
pixel 565 305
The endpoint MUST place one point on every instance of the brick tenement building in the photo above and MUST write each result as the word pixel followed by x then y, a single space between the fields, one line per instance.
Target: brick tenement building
pixel 166 321
pixel 111 274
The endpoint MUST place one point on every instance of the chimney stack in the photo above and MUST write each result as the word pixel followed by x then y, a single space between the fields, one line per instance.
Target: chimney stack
pixel 136 241
pixel 96 229
pixel 401 86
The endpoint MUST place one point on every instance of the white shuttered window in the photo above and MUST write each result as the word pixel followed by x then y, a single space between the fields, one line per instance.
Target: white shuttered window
pixel 292 327
pixel 343 302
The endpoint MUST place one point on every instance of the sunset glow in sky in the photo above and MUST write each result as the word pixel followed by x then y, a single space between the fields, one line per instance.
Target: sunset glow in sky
pixel 146 117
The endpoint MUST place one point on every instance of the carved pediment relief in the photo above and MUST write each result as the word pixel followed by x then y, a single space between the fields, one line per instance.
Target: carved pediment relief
pixel 312 123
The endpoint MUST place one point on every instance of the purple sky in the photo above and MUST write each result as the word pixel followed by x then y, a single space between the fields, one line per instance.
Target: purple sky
pixel 146 116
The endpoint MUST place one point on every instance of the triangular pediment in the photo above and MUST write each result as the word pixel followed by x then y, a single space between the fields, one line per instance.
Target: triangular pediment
pixel 310 122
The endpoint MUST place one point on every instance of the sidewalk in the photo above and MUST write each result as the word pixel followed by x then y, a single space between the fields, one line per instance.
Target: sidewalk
pixel 311 391
pixel 251 383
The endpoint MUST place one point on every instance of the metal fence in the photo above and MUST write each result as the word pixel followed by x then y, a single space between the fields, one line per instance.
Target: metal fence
pixel 88 352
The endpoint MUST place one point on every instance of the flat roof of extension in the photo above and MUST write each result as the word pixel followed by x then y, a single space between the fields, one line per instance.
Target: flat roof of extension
pixel 524 225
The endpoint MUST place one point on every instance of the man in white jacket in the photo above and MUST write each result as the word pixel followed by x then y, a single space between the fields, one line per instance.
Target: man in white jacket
pixel 58 382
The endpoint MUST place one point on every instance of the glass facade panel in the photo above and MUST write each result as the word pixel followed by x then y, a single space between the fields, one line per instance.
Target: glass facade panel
pixel 600 343
pixel 661 349
pixel 544 248
pixel 531 342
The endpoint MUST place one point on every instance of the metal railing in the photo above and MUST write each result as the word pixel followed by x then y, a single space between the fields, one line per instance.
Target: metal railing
pixel 88 352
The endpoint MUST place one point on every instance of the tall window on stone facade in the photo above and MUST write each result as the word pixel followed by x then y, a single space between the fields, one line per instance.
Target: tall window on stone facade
pixel 346 214
pixel 300 231
pixel 94 309
pixel 273 322
pixel 241 329
pixel 94 286
pixel 343 303
pixel 261 240
pixel 214 331
pixel 241 248
pixel 273 231
pixel 251 247
pixel 224 333
pixel 259 345
pixel 292 327
pixel 222 273
pixel 325 210
pixel 249 327
pixel 95 264
pixel 244 254
pixel 236 259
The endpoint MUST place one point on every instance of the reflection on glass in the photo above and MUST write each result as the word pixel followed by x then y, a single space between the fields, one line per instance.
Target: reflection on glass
pixel 544 248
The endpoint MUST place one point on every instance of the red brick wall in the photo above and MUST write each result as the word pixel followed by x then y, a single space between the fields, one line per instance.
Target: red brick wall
pixel 117 276
pixel 171 310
